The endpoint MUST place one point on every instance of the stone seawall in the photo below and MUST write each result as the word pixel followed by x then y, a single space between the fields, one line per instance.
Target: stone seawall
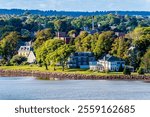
pixel 63 76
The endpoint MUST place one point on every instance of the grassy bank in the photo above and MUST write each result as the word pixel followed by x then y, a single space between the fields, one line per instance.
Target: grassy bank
pixel 71 74
pixel 58 69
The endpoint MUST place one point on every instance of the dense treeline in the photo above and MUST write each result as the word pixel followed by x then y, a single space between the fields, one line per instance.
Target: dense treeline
pixel 27 25
pixel 71 13
pixel 133 47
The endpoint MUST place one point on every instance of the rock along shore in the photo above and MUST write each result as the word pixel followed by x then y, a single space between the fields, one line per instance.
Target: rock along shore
pixel 67 76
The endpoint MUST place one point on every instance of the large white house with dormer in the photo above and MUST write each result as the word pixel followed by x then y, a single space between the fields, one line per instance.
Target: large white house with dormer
pixel 107 62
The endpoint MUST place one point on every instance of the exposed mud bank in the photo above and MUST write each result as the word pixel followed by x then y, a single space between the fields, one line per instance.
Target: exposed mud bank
pixel 63 76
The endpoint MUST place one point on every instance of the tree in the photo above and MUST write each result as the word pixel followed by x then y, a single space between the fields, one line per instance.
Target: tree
pixel 17 60
pixel 78 40
pixel 94 40
pixel 86 43
pixel 9 45
pixel 61 55
pixel 141 36
pixel 134 58
pixel 141 71
pixel 5 30
pixel 25 33
pixel 48 47
pixel 57 25
pixel 104 43
pixel 16 22
pixel 145 62
pixel 61 25
pixel 42 36
pixel 120 47
pixel 0 49
pixel 64 52
pixel 126 71
pixel 121 68
pixel 72 34
pixel 52 59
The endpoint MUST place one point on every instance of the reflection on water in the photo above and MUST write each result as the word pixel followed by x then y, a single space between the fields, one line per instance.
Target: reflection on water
pixel 23 88
pixel 15 78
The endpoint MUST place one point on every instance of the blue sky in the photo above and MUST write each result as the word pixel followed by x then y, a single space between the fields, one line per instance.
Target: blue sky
pixel 78 5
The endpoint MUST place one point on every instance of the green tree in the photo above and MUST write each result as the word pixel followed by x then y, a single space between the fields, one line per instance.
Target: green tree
pixel 141 71
pixel 72 34
pixel 126 71
pixel 87 43
pixel 0 49
pixel 9 45
pixel 61 55
pixel 93 41
pixel 141 36
pixel 16 22
pixel 120 47
pixel 5 30
pixel 78 40
pixel 104 43
pixel 17 60
pixel 53 59
pixel 121 68
pixel 145 63
pixel 141 41
pixel 42 36
pixel 134 58
pixel 61 25
pixel 47 48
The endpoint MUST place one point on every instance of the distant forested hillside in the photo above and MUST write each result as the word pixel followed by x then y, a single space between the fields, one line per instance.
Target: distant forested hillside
pixel 71 13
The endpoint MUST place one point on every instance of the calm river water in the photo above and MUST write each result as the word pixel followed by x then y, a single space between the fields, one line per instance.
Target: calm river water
pixel 29 88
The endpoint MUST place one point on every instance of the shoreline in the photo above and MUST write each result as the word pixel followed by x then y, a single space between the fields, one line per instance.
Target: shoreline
pixel 67 76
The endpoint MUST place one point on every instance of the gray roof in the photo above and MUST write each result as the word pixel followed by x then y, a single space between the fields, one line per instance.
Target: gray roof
pixel 25 48
pixel 110 58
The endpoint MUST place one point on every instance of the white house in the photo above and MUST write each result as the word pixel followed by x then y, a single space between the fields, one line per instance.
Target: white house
pixel 95 66
pixel 107 62
pixel 27 52
pixel 31 57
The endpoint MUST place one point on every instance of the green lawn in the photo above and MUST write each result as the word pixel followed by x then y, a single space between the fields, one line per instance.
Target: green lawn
pixel 59 69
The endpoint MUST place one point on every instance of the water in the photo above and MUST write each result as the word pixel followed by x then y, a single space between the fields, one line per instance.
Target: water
pixel 29 88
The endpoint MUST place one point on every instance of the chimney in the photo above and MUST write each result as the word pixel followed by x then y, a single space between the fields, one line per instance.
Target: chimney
pixel 93 28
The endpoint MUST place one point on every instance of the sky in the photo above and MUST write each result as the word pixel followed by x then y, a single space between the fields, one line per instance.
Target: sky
pixel 78 5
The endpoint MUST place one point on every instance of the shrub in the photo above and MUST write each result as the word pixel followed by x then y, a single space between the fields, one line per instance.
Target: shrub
pixel 25 63
pixel 39 65
pixel 2 62
pixel 121 68
pixel 141 71
pixel 107 71
pixel 17 60
pixel 126 71
pixel 8 64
